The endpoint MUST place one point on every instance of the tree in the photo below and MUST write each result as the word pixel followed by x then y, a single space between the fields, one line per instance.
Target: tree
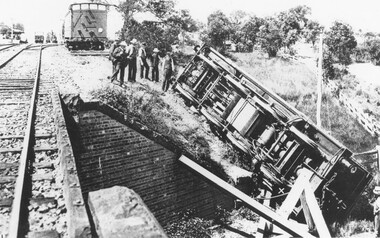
pixel 128 8
pixel 341 42
pixel 251 28
pixel 161 8
pixel 372 46
pixel 18 26
pixel 161 33
pixel 369 36
pixel 218 29
pixel 312 31
pixel 237 20
pixel 269 36
pixel 4 29
pixel 291 24
pixel 282 30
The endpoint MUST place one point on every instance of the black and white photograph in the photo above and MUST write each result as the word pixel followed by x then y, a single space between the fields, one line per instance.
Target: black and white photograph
pixel 189 119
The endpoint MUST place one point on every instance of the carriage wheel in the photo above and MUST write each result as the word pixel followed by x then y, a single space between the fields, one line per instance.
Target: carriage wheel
pixel 210 118
pixel 186 94
pixel 238 143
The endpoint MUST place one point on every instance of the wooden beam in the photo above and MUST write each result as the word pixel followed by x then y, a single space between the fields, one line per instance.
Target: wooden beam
pixel 295 193
pixel 316 213
pixel 307 213
pixel 266 212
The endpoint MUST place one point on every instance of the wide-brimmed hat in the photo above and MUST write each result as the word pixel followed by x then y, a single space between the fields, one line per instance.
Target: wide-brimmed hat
pixel 134 41
pixel 123 43
pixel 156 50
pixel 376 190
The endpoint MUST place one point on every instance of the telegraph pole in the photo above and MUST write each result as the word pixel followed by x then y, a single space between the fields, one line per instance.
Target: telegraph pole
pixel 319 83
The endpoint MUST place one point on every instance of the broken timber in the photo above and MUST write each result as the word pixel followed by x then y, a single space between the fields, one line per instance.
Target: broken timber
pixel 279 218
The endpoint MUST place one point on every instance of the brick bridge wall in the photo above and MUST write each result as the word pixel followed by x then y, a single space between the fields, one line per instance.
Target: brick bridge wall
pixel 112 153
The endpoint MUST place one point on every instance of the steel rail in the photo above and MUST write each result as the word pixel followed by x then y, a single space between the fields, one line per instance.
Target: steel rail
pixel 13 56
pixel 6 47
pixel 14 224
pixel 268 214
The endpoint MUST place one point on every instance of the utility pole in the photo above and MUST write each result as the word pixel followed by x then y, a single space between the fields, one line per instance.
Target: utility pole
pixel 319 83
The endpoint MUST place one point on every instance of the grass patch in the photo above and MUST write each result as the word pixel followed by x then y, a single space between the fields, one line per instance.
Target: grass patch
pixel 297 85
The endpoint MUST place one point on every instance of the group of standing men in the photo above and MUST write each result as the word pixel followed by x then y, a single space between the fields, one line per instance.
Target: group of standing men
pixel 123 55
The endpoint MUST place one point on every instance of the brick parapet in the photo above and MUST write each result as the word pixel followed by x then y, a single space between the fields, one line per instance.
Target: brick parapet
pixel 77 219
pixel 142 160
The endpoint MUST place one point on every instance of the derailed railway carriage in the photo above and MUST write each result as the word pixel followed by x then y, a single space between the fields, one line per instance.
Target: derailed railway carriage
pixel 280 139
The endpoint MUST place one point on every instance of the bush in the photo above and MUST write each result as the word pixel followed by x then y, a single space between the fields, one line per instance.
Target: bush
pixel 139 104
pixel 352 227
pixel 373 48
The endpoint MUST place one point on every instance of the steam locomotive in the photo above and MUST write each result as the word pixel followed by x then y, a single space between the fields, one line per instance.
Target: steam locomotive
pixel 279 139
pixel 85 26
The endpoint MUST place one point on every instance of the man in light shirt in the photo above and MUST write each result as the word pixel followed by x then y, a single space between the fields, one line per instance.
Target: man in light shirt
pixel 143 63
pixel 376 210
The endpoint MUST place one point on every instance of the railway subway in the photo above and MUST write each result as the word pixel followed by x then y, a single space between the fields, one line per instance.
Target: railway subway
pixel 85 26
pixel 279 139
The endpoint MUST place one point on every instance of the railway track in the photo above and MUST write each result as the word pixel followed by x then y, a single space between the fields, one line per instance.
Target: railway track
pixel 7 46
pixel 31 196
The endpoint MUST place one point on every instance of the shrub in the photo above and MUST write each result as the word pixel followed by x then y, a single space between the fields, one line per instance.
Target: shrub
pixel 352 227
pixel 373 48
pixel 248 214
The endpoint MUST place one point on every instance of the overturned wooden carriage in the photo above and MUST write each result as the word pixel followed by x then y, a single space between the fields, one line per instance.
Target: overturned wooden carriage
pixel 280 140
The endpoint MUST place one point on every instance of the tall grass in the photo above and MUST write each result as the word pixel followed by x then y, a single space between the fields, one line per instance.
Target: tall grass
pixel 297 85
pixel 285 77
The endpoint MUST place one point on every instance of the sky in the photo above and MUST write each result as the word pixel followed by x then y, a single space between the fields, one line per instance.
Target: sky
pixel 46 15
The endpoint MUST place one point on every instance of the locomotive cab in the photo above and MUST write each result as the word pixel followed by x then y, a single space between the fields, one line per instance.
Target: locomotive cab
pixel 86 26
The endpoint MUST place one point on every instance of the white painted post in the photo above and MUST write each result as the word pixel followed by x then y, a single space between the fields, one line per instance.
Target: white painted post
pixel 319 84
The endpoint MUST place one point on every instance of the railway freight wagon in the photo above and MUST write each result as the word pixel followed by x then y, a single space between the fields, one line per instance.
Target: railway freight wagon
pixel 280 139
pixel 85 26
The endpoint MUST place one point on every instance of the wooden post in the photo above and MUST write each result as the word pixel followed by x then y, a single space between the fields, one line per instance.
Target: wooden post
pixel 319 84
pixel 301 190
pixel 295 193
pixel 264 228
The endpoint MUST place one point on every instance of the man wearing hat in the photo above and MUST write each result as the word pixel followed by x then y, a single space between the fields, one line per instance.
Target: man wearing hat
pixel 114 45
pixel 119 57
pixel 376 210
pixel 155 63
pixel 131 55
pixel 143 63
pixel 167 69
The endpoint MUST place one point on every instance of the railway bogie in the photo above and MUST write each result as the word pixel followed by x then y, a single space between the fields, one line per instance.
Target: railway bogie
pixel 280 139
